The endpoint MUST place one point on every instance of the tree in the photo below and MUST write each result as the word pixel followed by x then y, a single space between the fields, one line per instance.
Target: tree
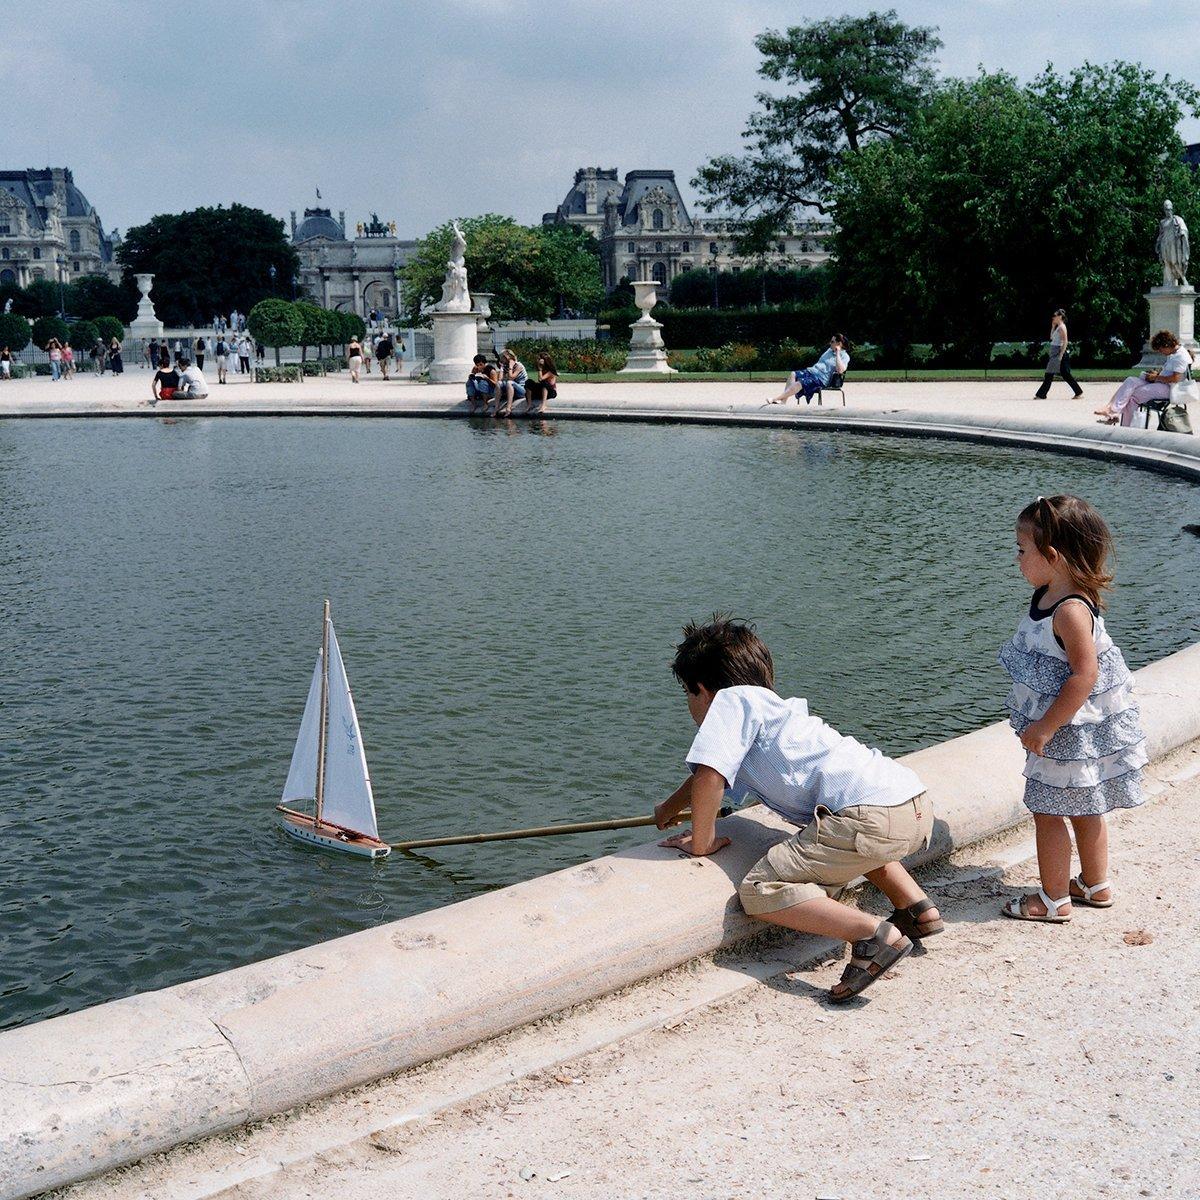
pixel 352 326
pixel 84 333
pixel 40 299
pixel 854 80
pixel 45 328
pixel 532 273
pixel 109 328
pixel 331 328
pixel 14 331
pixel 209 260
pixel 313 326
pixel 92 296
pixel 276 323
pixel 740 289
pixel 1007 201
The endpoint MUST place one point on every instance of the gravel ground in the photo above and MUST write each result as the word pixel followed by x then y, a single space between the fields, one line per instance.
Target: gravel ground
pixel 1009 1060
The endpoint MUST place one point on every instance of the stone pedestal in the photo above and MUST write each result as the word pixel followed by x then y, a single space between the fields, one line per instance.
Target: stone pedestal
pixel 1173 307
pixel 454 346
pixel 646 350
pixel 146 324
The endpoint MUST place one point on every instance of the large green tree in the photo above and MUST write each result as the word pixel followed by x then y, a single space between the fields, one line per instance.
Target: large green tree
pixel 1008 200
pixel 532 272
pixel 276 323
pixel 92 296
pixel 851 81
pixel 210 260
pixel 14 331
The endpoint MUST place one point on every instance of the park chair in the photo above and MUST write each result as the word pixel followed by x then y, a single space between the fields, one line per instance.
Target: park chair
pixel 837 383
pixel 1177 423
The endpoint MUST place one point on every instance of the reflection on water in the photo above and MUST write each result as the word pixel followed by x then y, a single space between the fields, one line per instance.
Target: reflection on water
pixel 507 596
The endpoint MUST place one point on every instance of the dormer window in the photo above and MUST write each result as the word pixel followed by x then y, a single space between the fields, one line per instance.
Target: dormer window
pixel 656 219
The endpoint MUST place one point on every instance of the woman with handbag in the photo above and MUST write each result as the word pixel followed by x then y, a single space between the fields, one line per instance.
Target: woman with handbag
pixel 1059 362
pixel 1150 385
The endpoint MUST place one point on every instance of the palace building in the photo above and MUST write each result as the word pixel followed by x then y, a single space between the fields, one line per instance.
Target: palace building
pixel 646 232
pixel 49 230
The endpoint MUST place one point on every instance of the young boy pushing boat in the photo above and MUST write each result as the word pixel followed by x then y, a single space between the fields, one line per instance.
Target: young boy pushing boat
pixel 859 812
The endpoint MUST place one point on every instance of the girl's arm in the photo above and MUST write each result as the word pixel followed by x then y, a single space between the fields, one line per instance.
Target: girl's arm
pixel 1074 624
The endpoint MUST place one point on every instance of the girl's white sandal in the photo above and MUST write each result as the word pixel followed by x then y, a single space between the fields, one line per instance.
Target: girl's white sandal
pixel 1014 909
pixel 1086 893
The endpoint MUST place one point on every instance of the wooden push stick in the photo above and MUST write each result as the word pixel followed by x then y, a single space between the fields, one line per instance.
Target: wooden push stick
pixel 508 835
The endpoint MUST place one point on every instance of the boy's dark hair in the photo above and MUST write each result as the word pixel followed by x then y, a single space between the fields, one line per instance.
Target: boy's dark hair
pixel 722 653
pixel 479 358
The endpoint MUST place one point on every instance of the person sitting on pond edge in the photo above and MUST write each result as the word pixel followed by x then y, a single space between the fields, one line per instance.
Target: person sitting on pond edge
pixel 859 812
pixel 811 380
pixel 481 384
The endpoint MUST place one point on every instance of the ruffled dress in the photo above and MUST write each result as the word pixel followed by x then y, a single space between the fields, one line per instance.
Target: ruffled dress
pixel 1094 764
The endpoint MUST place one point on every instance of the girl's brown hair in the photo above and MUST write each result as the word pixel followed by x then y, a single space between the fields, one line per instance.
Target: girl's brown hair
pixel 1074 529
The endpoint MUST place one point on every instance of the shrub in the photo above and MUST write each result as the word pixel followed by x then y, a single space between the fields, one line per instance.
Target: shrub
pixel 45 328
pixel 276 323
pixel 109 328
pixel 353 326
pixel 584 357
pixel 685 328
pixel 14 331
pixel 84 334
pixel 287 373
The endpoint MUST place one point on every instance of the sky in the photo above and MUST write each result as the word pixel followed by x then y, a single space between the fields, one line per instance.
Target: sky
pixel 424 111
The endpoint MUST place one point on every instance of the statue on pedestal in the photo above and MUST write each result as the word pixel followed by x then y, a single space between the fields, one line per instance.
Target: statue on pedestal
pixel 1173 247
pixel 455 297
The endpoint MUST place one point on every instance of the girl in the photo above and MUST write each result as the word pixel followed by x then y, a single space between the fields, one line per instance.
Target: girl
pixel 513 378
pixel 544 388
pixel 1071 704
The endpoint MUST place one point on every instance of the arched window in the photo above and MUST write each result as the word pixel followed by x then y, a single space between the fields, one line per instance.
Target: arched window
pixel 74 241
pixel 631 248
pixel 631 269
pixel 37 252
pixel 659 273
pixel 687 247
pixel 75 267
pixel 4 252
pixel 656 219
pixel 687 266
pixel 8 275
pixel 712 247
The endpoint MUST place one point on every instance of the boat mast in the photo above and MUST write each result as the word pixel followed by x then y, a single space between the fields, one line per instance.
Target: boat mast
pixel 322 729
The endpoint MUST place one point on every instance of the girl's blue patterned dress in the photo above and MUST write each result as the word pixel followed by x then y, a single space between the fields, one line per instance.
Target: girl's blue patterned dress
pixel 1093 764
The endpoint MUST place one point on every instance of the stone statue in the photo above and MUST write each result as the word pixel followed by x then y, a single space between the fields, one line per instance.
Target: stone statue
pixel 455 297
pixel 8 305
pixel 1173 247
pixel 358 229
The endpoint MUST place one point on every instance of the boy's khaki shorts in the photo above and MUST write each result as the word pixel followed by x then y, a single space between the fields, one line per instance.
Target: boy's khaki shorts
pixel 831 850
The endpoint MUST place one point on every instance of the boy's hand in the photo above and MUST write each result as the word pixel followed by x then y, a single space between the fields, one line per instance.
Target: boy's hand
pixel 666 814
pixel 1034 738
pixel 683 841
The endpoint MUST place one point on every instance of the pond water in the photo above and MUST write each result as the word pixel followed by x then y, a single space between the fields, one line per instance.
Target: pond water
pixel 507 597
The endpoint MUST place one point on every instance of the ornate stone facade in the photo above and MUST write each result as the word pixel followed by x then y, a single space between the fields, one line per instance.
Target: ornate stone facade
pixel 49 230
pixel 356 274
pixel 646 232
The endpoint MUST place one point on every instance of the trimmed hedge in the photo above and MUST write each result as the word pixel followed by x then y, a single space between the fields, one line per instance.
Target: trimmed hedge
pixel 287 373
pixel 584 357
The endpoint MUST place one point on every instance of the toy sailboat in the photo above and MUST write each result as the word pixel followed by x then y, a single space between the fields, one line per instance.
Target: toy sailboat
pixel 329 765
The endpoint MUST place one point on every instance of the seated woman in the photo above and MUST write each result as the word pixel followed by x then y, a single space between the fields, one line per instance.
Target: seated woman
pixel 1150 385
pixel 512 383
pixel 545 387
pixel 165 381
pixel 811 380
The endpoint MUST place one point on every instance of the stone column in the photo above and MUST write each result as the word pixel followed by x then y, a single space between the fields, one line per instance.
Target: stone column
pixel 357 294
pixel 1173 307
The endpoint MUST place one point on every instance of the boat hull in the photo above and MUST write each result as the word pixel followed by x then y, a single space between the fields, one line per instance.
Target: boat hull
pixel 330 837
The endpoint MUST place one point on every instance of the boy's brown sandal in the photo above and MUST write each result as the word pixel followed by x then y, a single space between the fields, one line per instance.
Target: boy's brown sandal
pixel 909 920
pixel 879 957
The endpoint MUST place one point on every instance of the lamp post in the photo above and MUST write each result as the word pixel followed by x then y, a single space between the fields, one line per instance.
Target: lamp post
pixel 62 304
pixel 716 286
pixel 293 288
pixel 271 272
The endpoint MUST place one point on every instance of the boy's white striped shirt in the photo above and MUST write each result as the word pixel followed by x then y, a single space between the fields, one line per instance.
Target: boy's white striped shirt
pixel 778 752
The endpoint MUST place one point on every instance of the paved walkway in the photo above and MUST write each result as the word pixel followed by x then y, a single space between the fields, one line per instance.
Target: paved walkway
pixel 1010 1061
pixel 129 393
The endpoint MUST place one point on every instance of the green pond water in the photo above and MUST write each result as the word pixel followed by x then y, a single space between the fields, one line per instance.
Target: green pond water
pixel 507 597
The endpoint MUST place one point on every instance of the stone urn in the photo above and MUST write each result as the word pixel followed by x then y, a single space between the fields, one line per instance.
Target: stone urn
pixel 146 324
pixel 483 304
pixel 646 350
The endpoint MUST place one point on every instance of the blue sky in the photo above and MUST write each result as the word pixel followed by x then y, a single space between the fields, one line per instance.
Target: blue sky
pixel 453 107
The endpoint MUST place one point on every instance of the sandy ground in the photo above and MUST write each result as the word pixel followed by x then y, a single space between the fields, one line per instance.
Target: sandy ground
pixel 1008 1060
pixel 130 393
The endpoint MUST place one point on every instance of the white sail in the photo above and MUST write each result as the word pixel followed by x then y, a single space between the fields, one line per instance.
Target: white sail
pixel 302 775
pixel 348 799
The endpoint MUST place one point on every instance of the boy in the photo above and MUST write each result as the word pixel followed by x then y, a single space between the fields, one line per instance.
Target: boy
pixel 481 384
pixel 858 811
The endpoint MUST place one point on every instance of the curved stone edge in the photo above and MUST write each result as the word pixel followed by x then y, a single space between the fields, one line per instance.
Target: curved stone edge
pixel 89 1091
pixel 86 1092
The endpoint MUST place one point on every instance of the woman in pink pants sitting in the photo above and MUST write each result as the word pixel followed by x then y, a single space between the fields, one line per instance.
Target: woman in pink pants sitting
pixel 1150 385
